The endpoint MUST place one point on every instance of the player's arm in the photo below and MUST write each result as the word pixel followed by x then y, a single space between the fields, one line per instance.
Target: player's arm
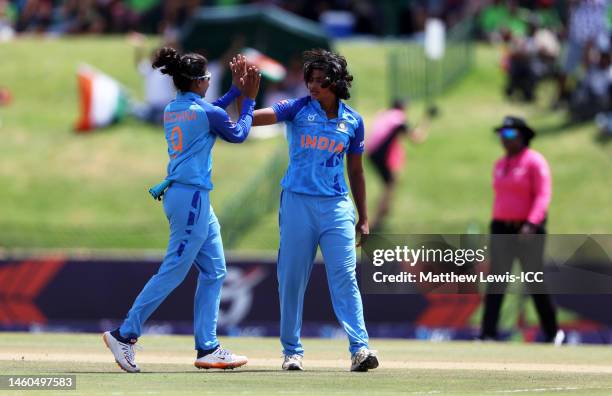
pixel 358 189
pixel 265 116
pixel 226 129
pixel 419 133
pixel 238 67
pixel 357 179
pixel 283 111
pixel 220 122
pixel 228 98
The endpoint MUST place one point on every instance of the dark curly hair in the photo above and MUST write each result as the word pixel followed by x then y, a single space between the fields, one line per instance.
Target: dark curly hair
pixel 333 65
pixel 184 69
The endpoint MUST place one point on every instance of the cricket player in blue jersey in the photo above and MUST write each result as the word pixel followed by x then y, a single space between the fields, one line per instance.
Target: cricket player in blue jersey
pixel 191 126
pixel 315 209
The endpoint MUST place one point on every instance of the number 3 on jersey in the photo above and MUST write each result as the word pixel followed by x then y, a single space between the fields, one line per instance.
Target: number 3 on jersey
pixel 176 141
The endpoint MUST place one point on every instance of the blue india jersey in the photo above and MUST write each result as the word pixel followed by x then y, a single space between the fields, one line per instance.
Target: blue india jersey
pixel 317 145
pixel 192 125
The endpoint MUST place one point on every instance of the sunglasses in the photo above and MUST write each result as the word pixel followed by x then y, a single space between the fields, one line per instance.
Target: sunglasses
pixel 509 133
pixel 206 76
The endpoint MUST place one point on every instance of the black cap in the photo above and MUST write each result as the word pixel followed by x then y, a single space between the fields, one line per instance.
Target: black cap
pixel 517 123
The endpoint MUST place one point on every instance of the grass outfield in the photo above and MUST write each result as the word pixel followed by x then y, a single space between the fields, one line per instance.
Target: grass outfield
pixel 407 367
pixel 63 190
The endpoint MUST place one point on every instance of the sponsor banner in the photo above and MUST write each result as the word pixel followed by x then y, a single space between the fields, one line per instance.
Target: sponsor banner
pixel 92 295
pixel 81 292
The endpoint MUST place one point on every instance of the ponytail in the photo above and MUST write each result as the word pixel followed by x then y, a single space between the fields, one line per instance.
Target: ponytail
pixel 169 59
pixel 184 69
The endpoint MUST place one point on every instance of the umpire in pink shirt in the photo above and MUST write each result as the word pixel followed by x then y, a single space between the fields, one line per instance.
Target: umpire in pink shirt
pixel 522 186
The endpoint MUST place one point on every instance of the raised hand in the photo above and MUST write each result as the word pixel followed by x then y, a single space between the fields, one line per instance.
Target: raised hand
pixel 250 82
pixel 238 66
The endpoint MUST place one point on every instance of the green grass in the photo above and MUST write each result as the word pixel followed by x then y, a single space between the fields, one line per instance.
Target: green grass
pixel 407 367
pixel 64 190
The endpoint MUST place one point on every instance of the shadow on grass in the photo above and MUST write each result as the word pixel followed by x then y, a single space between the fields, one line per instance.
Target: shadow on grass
pixel 603 138
pixel 569 126
pixel 556 129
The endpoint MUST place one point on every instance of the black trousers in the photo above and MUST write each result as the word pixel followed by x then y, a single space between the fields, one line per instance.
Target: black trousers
pixel 503 254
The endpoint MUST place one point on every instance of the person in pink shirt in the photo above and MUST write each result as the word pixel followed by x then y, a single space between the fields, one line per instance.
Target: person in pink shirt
pixel 522 190
pixel 385 151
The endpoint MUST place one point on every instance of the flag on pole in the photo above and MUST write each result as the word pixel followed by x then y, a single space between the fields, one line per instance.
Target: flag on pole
pixel 269 68
pixel 103 100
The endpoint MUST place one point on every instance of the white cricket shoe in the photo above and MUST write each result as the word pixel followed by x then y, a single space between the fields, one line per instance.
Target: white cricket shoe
pixel 559 338
pixel 364 360
pixel 293 362
pixel 123 352
pixel 221 359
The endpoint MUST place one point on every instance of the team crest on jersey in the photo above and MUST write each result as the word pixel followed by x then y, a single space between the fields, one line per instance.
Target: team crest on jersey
pixel 311 117
pixel 342 126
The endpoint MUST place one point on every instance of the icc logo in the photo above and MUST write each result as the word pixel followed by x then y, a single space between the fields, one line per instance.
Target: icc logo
pixel 237 294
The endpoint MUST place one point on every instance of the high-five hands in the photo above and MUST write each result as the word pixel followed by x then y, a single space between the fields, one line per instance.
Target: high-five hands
pixel 245 77
pixel 238 66
pixel 250 82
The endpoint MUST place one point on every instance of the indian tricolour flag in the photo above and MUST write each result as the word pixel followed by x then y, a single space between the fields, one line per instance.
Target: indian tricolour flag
pixel 103 100
pixel 268 67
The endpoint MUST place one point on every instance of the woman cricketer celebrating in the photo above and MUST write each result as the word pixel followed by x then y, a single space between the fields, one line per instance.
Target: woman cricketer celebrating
pixel 315 208
pixel 192 126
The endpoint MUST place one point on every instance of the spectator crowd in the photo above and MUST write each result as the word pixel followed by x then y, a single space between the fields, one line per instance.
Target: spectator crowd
pixel 382 18
pixel 567 42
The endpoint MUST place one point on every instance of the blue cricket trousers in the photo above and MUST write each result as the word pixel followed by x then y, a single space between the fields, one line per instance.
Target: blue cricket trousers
pixel 307 222
pixel 194 238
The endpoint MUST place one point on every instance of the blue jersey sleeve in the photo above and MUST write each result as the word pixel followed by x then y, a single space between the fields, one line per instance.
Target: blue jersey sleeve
pixel 221 125
pixel 286 110
pixel 356 143
pixel 228 98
